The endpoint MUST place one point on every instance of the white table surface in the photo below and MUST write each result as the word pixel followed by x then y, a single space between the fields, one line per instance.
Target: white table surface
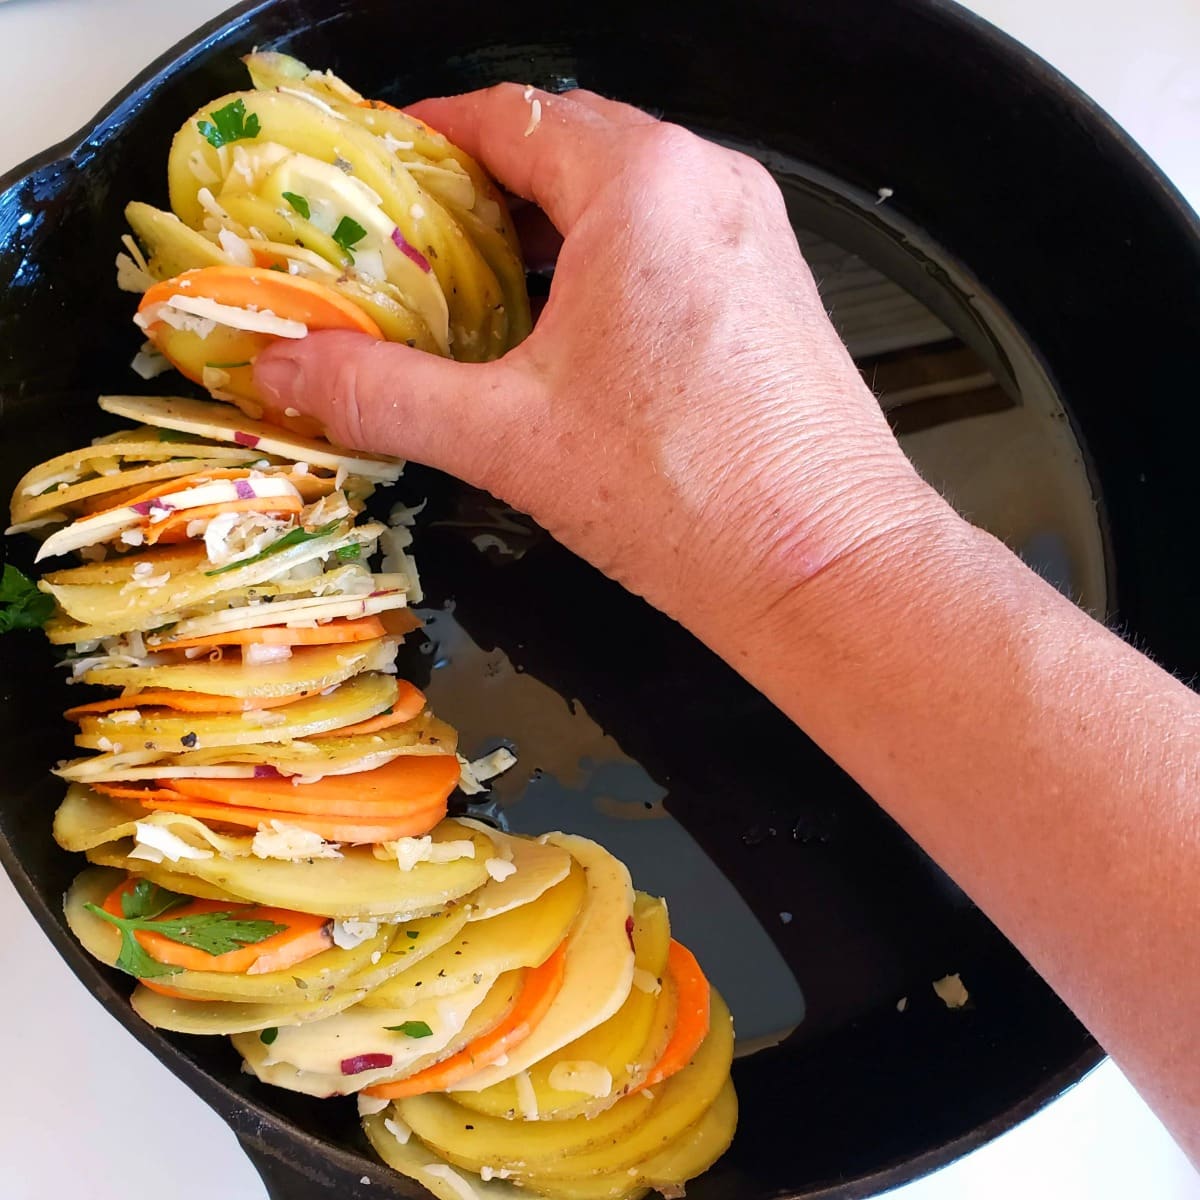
pixel 87 1113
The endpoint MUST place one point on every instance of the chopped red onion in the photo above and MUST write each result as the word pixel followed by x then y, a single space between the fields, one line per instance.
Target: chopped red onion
pixel 244 490
pixel 409 250
pixel 266 772
pixel 246 439
pixel 365 1062
pixel 629 931
pixel 142 509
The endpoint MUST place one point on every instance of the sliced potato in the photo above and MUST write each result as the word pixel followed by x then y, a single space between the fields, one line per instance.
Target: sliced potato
pixel 415 1160
pixel 171 246
pixel 309 669
pixel 72 497
pixel 539 866
pixel 467 282
pixel 616 1046
pixel 599 968
pixel 355 885
pixel 524 937
pixel 318 1049
pixel 160 731
pixel 632 1130
pixel 204 418
pixel 306 982
pixel 117 608
pixel 230 1017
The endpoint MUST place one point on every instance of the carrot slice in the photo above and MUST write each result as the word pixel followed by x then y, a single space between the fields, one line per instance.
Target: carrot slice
pixel 135 791
pixel 305 935
pixel 408 784
pixel 191 702
pixel 691 1016
pixel 410 703
pixel 539 991
pixel 335 829
pixel 174 528
pixel 292 297
pixel 358 629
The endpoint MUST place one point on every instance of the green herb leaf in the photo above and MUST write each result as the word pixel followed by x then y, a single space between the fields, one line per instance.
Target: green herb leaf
pixel 228 366
pixel 413 933
pixel 214 933
pixel 22 606
pixel 294 537
pixel 348 234
pixel 299 203
pixel 229 124
pixel 412 1029
pixel 348 553
pixel 268 1036
pixel 173 435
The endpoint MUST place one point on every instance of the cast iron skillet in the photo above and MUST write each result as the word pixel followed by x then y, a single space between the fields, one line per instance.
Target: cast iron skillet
pixel 1029 190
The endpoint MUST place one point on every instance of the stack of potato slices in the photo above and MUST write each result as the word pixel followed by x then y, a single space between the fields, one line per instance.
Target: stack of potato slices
pixel 297 205
pixel 264 802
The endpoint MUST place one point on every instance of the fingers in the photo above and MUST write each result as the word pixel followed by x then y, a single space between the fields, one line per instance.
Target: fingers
pixel 613 110
pixel 554 150
pixel 381 397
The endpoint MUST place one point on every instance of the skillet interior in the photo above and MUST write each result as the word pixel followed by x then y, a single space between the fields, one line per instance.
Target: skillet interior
pixel 1020 182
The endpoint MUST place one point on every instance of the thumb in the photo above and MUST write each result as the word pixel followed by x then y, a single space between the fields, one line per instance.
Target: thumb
pixel 382 397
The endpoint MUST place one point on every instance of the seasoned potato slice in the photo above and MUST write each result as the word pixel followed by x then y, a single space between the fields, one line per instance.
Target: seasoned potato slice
pixel 171 246
pixel 160 731
pixel 523 937
pixel 309 669
pixel 539 866
pixel 616 1046
pixel 599 968
pixel 355 885
pixel 632 1130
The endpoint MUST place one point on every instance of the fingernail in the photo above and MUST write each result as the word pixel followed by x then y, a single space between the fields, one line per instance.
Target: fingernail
pixel 277 378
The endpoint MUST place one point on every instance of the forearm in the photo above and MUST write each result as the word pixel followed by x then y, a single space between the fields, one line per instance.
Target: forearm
pixel 1047 766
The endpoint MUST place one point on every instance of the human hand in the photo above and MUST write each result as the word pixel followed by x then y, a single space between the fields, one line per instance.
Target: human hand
pixel 683 415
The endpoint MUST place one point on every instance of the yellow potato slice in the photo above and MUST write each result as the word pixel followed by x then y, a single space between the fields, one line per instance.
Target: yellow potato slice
pixel 118 608
pixel 238 1017
pixel 616 1046
pixel 467 282
pixel 309 669
pixel 86 820
pixel 539 866
pixel 171 247
pixel 413 1159
pixel 355 885
pixel 599 968
pixel 524 937
pixel 363 696
pixel 71 496
pixel 438 166
pixel 317 1049
pixel 682 1159
pixel 219 422
pixel 313 1083
pixel 308 983
pixel 542 1152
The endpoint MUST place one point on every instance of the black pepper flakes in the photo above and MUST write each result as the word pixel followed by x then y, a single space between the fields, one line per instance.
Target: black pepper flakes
pixel 189 740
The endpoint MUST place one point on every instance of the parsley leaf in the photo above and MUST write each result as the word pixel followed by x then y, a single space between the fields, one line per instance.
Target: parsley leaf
pixel 218 366
pixel 299 203
pixel 173 435
pixel 22 606
pixel 348 553
pixel 268 1036
pixel 348 234
pixel 229 124
pixel 144 908
pixel 294 537
pixel 412 1029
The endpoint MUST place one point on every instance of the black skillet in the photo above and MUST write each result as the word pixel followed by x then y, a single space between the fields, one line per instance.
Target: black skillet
pixel 1029 203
